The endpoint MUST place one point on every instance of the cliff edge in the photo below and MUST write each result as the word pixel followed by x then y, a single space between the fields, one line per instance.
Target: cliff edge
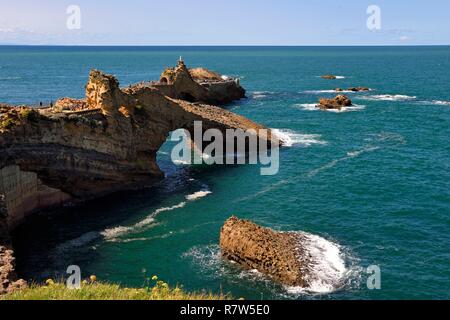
pixel 80 149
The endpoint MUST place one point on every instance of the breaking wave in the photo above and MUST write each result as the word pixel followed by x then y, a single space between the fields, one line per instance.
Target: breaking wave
pixel 331 91
pixel 198 195
pixel 440 103
pixel 330 267
pixel 388 97
pixel 319 91
pixel 326 266
pixel 112 234
pixel 291 138
pixel 261 94
pixel 181 163
pixel 312 107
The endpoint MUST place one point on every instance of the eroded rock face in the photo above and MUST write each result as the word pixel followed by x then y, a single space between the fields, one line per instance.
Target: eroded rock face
pixel 111 144
pixel 277 254
pixel 337 103
pixel 199 85
pixel 8 277
pixel 82 149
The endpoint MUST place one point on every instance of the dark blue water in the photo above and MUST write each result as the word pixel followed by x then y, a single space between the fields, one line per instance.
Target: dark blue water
pixel 372 182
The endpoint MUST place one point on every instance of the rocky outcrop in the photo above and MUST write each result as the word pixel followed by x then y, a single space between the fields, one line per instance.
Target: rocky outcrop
pixel 199 85
pixel 110 144
pixel 276 254
pixel 8 277
pixel 85 148
pixel 358 89
pixel 337 103
pixel 329 77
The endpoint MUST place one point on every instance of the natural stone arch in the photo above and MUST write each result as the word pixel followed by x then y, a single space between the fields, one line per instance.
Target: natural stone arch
pixel 113 147
pixel 164 80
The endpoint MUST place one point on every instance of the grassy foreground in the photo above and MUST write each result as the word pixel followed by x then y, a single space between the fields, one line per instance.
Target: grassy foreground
pixel 104 291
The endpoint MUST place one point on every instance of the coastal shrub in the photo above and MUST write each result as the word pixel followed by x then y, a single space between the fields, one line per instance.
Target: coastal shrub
pixel 30 115
pixel 7 124
pixel 93 290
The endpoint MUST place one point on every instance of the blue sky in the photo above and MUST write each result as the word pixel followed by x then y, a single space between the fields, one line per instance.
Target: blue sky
pixel 231 22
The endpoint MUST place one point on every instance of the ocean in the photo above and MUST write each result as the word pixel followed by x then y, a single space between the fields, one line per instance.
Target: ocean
pixel 370 184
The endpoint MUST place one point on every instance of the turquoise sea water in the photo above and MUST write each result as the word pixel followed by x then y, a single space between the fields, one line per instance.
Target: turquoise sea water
pixel 373 181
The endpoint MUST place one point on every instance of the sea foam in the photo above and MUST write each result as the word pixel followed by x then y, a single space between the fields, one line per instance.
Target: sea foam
pixel 290 138
pixel 327 270
pixel 389 97
pixel 261 94
pixel 313 107
pixel 440 103
pixel 326 267
pixel 198 195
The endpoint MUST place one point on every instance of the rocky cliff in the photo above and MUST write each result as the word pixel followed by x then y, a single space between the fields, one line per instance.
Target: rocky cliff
pixel 81 149
pixel 108 141
pixel 199 85
pixel 8 276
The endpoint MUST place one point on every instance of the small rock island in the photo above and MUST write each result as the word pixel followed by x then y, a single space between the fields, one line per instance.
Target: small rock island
pixel 337 103
pixel 276 254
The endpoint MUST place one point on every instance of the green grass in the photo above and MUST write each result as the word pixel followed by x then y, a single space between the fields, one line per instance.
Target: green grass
pixel 105 291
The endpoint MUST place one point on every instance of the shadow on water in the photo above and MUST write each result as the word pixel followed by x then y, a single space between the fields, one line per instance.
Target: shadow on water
pixel 49 241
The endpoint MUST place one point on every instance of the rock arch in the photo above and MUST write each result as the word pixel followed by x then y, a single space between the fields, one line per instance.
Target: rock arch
pixel 112 147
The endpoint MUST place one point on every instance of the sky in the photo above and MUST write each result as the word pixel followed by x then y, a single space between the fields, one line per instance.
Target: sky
pixel 231 22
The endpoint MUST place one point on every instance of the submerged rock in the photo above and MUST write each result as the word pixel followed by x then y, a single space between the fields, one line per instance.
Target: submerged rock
pixel 358 89
pixel 336 103
pixel 329 77
pixel 277 254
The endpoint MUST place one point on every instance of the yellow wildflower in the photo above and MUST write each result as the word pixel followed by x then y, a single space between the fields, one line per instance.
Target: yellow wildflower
pixel 49 282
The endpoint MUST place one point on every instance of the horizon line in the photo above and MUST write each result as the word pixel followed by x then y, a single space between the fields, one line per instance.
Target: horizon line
pixel 224 45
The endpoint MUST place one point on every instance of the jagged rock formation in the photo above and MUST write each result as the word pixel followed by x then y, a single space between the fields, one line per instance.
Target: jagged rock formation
pixel 199 85
pixel 8 276
pixel 277 254
pixel 337 103
pixel 109 145
pixel 84 148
